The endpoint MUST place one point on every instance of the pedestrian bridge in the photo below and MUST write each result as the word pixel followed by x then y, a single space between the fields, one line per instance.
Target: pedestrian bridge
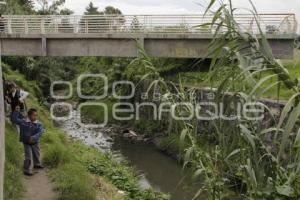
pixel 174 36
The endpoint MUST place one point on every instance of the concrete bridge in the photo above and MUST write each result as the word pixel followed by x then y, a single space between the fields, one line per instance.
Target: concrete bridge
pixel 174 36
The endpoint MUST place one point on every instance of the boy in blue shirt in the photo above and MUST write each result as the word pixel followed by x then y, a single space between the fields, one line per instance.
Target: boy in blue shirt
pixel 30 132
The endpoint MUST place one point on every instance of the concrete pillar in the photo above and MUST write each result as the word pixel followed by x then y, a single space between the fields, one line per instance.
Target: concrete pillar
pixel 44 46
pixel 141 43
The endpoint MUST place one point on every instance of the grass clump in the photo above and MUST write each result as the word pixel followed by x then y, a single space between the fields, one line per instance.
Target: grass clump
pixel 13 187
pixel 55 155
pixel 124 178
pixel 73 182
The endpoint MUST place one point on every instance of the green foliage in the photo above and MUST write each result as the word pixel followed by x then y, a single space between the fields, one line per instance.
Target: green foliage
pixel 70 161
pixel 52 7
pixel 18 7
pixel 91 10
pixel 148 127
pixel 55 155
pixel 13 186
pixel 73 182
pixel 110 10
pixel 171 143
pixel 236 159
pixel 97 114
pixel 124 178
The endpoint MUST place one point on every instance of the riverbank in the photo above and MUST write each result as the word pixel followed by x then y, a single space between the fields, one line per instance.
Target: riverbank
pixel 77 171
pixel 155 169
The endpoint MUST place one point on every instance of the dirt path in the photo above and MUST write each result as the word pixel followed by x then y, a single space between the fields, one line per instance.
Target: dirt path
pixel 39 187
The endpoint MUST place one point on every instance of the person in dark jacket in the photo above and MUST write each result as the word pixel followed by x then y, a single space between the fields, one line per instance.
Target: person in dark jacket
pixel 31 131
pixel 5 94
pixel 16 97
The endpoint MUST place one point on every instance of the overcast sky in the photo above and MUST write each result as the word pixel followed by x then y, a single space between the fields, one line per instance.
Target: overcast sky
pixel 183 6
pixel 180 6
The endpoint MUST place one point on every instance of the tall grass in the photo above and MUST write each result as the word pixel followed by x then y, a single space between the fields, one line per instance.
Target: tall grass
pixel 13 177
pixel 239 158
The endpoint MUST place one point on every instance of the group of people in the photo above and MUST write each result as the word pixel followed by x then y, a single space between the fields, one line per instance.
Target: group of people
pixel 28 126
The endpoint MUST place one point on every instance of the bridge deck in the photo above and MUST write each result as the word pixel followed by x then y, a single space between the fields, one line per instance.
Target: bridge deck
pixel 181 36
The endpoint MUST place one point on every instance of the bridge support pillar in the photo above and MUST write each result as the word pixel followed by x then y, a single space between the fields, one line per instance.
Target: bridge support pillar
pixel 44 46
pixel 141 45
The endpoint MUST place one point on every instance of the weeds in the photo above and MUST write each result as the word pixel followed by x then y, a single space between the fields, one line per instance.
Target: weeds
pixel 239 158
pixel 13 187
pixel 73 182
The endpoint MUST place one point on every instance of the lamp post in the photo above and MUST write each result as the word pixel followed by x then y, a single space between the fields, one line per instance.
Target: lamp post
pixel 2 116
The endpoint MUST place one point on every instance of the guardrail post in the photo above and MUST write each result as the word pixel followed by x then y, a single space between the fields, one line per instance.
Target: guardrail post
pixel 26 25
pixel 9 29
pixel 56 25
pixel 86 26
pixel 43 26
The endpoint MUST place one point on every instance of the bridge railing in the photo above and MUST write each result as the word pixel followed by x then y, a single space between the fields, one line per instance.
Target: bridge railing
pixel 57 24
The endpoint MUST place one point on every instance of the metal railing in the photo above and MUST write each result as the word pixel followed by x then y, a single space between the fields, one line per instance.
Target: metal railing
pixel 173 24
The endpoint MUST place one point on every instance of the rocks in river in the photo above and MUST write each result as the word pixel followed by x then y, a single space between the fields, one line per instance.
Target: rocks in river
pixel 129 134
pixel 147 140
pixel 125 133
pixel 112 131
pixel 109 140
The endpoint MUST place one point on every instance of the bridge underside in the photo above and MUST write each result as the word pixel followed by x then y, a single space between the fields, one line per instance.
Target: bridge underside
pixel 113 45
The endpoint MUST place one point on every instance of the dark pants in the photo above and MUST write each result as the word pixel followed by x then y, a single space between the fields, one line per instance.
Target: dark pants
pixel 31 151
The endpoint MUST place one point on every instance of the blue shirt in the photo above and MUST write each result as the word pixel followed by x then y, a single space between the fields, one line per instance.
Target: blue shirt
pixel 28 129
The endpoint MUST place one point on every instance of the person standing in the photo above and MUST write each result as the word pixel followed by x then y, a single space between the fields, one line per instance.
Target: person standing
pixel 31 131
pixel 5 94
pixel 16 97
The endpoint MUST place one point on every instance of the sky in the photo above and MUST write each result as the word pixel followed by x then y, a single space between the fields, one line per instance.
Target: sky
pixel 132 7
pixel 181 6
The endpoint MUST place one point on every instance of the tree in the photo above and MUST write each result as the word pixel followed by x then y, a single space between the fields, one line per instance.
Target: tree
pixel 28 5
pixel 135 24
pixel 18 7
pixel 110 10
pixel 91 10
pixel 50 7
pixel 103 21
pixel 66 11
pixel 65 26
pixel 116 21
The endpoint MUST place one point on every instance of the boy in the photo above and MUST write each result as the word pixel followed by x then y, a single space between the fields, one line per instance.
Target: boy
pixel 30 132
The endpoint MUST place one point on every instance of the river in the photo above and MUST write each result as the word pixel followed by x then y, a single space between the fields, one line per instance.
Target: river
pixel 156 170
